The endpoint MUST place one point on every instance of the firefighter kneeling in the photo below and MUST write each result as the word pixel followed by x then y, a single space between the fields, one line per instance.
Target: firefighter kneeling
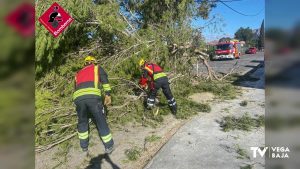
pixel 154 78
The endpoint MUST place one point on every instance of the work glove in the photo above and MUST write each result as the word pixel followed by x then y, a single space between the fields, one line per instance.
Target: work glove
pixel 145 86
pixel 107 100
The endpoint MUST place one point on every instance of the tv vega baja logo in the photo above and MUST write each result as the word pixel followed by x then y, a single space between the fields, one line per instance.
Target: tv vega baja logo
pixel 273 152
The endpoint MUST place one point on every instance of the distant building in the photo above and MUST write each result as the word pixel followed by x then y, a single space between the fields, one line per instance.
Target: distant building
pixel 213 43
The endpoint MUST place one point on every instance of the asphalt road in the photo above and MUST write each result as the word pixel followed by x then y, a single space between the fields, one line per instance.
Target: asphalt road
pixel 246 63
pixel 201 143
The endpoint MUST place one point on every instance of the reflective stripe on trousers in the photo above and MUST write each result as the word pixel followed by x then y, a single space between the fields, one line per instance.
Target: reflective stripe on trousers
pixel 106 138
pixel 95 107
pixel 172 102
pixel 106 87
pixel 83 135
pixel 150 102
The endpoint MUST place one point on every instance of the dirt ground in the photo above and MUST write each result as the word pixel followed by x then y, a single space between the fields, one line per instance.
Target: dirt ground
pixel 126 138
pixel 204 97
pixel 134 137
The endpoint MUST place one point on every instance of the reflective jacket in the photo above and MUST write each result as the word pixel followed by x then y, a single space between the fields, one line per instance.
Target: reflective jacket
pixel 151 72
pixel 87 82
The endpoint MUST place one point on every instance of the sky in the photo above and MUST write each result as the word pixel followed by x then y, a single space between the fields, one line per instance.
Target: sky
pixel 282 14
pixel 229 21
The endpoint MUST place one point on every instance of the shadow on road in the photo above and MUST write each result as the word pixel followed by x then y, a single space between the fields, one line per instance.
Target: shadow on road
pixel 253 78
pixel 251 66
pixel 96 162
pixel 257 61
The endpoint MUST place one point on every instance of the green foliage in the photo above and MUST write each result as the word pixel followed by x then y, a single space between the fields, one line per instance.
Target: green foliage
pixel 211 51
pixel 260 121
pixel 242 153
pixel 133 153
pixel 53 103
pixel 244 34
pixel 188 108
pixel 165 11
pixel 224 39
pixel 246 123
pixel 248 166
pixel 205 8
pixel 51 52
pixel 244 103
pixel 152 138
pixel 162 20
pixel 224 90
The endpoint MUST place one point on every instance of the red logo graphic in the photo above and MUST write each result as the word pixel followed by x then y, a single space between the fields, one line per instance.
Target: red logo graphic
pixel 22 19
pixel 56 19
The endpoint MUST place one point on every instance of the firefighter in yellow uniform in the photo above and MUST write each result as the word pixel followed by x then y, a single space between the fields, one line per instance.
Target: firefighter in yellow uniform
pixel 87 98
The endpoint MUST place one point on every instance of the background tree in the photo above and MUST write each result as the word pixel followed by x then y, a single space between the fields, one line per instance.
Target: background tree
pixel 224 39
pixel 261 38
pixel 245 34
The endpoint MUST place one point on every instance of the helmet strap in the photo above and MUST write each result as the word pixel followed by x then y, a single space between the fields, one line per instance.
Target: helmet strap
pixel 90 62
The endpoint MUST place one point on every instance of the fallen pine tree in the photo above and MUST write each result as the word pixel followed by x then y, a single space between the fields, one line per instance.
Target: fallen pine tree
pixel 56 124
pixel 112 33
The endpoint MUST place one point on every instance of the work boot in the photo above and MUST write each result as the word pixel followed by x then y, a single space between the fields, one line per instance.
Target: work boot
pixel 174 110
pixel 150 103
pixel 109 150
pixel 85 149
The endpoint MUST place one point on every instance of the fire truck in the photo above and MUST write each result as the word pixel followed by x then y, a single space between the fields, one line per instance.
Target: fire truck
pixel 228 50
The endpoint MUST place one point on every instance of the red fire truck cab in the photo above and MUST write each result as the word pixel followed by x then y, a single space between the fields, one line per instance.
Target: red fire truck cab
pixel 228 50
